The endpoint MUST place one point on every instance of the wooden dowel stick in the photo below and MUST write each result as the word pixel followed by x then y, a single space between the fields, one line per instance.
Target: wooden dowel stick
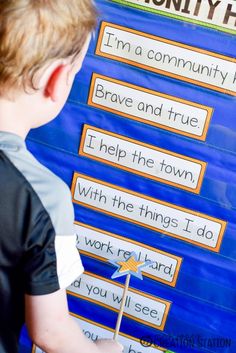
pixel 122 307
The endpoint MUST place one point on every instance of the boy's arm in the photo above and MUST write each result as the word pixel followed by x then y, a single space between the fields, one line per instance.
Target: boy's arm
pixel 54 331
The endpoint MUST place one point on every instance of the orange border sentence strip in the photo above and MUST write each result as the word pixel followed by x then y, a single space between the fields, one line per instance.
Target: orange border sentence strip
pixel 139 143
pixel 152 69
pixel 145 197
pixel 113 330
pixel 141 245
pixel 157 94
pixel 132 338
pixel 159 300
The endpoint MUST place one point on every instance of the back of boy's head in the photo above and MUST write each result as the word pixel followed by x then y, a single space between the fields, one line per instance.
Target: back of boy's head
pixel 36 32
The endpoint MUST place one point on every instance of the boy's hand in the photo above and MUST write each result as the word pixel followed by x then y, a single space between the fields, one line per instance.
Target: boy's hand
pixel 109 346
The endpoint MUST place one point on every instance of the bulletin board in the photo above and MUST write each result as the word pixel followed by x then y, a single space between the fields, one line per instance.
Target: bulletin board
pixel 147 144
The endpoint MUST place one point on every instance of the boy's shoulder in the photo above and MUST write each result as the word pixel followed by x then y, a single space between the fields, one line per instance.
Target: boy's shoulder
pixel 41 185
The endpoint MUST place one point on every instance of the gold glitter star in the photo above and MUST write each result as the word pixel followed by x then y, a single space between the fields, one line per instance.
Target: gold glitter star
pixel 130 265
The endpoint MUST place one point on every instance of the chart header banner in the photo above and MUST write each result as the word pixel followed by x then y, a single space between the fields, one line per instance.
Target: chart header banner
pixel 220 15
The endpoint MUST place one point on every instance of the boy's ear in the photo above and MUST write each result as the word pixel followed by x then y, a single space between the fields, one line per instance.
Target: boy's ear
pixel 56 82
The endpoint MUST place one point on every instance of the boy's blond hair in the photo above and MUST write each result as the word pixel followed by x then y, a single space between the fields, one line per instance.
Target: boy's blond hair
pixel 34 32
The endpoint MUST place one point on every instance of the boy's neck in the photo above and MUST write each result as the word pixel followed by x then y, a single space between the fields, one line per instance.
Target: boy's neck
pixel 13 118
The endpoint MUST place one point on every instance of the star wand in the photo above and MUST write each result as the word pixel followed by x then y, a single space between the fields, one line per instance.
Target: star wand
pixel 129 267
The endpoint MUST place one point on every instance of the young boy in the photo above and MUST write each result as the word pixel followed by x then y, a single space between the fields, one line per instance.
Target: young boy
pixel 42 47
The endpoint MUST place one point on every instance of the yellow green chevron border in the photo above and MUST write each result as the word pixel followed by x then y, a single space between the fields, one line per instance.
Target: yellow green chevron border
pixel 177 17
